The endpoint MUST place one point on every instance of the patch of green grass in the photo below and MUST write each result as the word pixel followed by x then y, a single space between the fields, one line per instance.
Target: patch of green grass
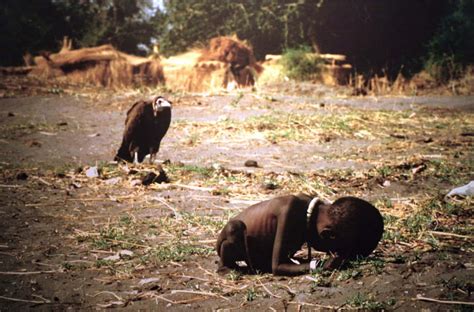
pixel 417 222
pixel 212 223
pixel 234 276
pixel 103 263
pixel 237 99
pixel 448 171
pixel 205 172
pixel 384 202
pixel 393 236
pixel 368 302
pixel 375 264
pixel 177 251
pixel 389 219
pixel 321 279
pixel 385 171
pixel 251 294
pixel 349 273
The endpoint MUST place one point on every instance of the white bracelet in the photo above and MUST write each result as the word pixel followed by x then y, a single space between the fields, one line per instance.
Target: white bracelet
pixel 313 265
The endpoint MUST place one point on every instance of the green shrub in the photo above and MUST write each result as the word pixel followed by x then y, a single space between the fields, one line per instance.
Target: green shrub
pixel 452 46
pixel 301 64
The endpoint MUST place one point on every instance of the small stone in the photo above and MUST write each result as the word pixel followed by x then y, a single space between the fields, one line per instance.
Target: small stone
pixel 22 176
pixel 125 254
pixel 251 163
pixel 132 171
pixel 217 166
pixel 92 172
pixel 152 177
pixel 75 185
pixel 10 114
pixel 33 143
pixel 269 186
pixel 386 183
pixel 148 280
pixel 135 182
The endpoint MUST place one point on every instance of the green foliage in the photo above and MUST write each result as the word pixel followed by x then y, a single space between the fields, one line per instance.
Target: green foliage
pixel 452 47
pixel 32 26
pixel 178 251
pixel 28 26
pixel 251 294
pixel 269 25
pixel 301 64
pixel 368 302
pixel 402 29
pixel 122 23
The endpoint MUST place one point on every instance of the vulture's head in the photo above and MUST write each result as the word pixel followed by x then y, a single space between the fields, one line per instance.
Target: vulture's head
pixel 160 104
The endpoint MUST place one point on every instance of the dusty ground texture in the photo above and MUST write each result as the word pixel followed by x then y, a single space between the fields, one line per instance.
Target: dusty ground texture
pixel 68 241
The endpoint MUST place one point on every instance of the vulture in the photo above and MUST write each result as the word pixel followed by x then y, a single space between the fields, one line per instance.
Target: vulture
pixel 146 124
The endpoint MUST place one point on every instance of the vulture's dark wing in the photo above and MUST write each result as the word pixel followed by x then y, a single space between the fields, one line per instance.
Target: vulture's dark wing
pixel 132 108
pixel 132 132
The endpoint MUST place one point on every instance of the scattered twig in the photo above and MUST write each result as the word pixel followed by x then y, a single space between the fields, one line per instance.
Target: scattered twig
pixel 176 213
pixel 42 298
pixel 450 234
pixel 42 181
pixel 203 293
pixel 10 186
pixel 314 305
pixel 289 290
pixel 7 254
pixel 194 299
pixel 196 278
pixel 23 300
pixel 268 291
pixel 420 297
pixel 30 273
pixel 109 293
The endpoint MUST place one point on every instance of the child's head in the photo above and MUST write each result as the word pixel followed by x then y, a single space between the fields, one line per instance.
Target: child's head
pixel 350 226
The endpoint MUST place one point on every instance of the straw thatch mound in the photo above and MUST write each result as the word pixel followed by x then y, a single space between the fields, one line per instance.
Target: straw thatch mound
pixel 101 65
pixel 227 62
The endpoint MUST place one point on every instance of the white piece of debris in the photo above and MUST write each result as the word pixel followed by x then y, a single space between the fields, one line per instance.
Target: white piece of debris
pixel 115 257
pixel 92 172
pixel 113 181
pixel 122 254
pixel 465 190
pixel 149 280
pixel 48 133
pixel 125 254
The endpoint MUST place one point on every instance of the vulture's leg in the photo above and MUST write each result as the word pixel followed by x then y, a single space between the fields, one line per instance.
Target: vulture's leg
pixel 152 158
pixel 135 158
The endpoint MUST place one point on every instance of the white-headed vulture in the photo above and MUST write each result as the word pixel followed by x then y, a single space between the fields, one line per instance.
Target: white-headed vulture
pixel 146 124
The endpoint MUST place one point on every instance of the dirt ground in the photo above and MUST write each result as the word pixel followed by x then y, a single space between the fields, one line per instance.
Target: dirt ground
pixel 72 242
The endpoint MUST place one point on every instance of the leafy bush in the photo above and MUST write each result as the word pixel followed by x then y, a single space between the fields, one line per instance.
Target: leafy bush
pixel 452 46
pixel 301 64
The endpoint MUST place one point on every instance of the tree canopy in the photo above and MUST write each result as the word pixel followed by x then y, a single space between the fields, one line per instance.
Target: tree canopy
pixel 375 34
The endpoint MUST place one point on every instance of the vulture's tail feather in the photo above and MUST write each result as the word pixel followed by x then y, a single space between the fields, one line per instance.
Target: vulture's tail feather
pixel 123 154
